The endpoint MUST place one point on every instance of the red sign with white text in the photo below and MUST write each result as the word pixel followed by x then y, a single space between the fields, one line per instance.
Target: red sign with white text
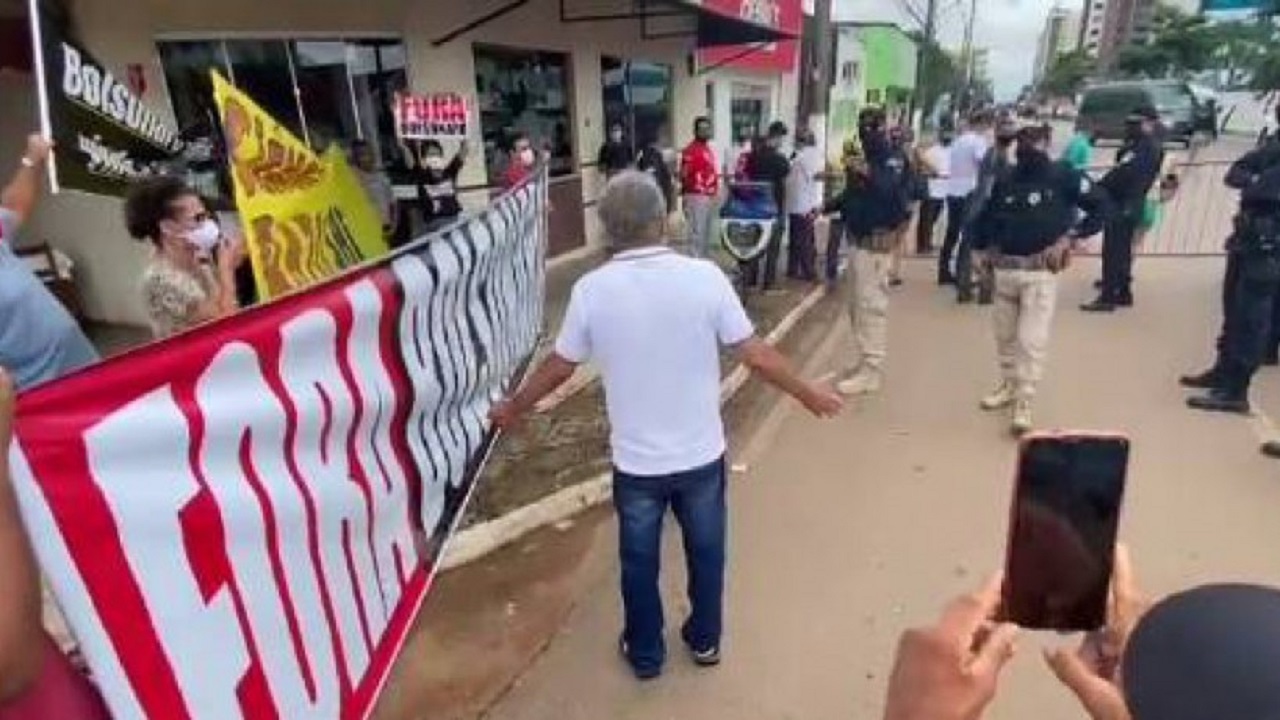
pixel 242 522
pixel 780 57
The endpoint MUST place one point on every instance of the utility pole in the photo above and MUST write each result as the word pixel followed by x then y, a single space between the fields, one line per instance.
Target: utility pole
pixel 924 79
pixel 818 75
pixel 970 60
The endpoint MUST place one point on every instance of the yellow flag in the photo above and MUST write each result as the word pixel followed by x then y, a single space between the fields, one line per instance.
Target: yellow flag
pixel 306 217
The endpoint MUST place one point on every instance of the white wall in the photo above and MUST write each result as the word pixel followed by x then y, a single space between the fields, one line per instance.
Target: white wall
pixel 122 32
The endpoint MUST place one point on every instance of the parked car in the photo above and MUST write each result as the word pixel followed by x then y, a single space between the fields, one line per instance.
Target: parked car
pixel 1104 109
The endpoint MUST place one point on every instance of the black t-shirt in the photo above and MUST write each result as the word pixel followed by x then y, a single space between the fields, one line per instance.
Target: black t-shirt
pixel 766 164
pixel 438 191
pixel 651 161
pixel 614 157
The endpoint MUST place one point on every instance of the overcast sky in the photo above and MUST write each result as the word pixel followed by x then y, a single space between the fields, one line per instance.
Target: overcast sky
pixel 1010 29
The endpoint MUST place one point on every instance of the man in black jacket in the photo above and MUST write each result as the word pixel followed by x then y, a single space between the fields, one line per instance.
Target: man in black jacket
pixel 873 207
pixel 1251 285
pixel 1031 223
pixel 767 164
pixel 1137 168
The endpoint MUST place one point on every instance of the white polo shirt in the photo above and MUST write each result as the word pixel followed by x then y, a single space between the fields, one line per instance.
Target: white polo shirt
pixel 653 322
pixel 965 163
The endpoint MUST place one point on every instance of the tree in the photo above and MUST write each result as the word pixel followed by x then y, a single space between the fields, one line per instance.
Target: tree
pixel 1067 75
pixel 938 75
pixel 1180 46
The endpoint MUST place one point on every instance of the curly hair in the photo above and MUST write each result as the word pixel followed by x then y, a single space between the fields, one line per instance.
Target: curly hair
pixel 151 201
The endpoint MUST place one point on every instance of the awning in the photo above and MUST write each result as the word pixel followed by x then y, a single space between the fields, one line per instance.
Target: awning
pixel 716 28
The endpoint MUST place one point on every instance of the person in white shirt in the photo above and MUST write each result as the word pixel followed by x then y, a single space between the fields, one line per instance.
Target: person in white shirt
pixel 653 322
pixel 938 159
pixel 804 200
pixel 965 164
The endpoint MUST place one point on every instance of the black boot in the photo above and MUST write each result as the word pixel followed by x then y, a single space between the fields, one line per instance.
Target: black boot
pixel 1271 449
pixel 1207 380
pixel 1101 305
pixel 1220 401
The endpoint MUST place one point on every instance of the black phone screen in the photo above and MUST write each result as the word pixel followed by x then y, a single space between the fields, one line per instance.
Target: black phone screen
pixel 1065 515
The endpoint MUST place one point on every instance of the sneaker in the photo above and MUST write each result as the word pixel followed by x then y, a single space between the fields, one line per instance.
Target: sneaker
pixel 707 657
pixel 863 382
pixel 1000 398
pixel 1021 423
pixel 641 673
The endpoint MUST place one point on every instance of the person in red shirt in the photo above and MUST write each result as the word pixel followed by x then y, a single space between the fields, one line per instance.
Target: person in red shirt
pixel 700 185
pixel 520 162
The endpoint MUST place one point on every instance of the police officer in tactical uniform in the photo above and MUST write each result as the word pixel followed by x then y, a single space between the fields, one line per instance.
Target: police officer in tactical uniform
pixel 995 164
pixel 1137 167
pixel 873 207
pixel 1252 282
pixel 1029 227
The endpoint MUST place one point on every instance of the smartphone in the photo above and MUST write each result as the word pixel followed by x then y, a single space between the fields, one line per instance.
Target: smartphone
pixel 1062 530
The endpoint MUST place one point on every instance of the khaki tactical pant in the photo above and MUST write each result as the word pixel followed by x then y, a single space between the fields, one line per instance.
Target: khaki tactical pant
pixel 1024 306
pixel 868 299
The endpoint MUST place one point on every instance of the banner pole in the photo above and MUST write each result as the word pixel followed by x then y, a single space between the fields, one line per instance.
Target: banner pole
pixel 42 89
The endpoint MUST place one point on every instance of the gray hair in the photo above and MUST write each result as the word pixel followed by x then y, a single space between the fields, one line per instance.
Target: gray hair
pixel 632 211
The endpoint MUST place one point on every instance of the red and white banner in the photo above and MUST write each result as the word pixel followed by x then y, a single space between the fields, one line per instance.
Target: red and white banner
pixel 242 522
pixel 440 116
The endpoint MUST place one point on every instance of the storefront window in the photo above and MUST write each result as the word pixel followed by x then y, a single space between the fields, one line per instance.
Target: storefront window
pixel 325 91
pixel 523 91
pixel 748 109
pixel 638 96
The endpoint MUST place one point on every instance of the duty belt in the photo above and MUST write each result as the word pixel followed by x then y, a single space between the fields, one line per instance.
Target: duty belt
pixel 1020 262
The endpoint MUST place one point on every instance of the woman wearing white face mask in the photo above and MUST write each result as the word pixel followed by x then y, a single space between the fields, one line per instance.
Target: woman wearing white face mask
pixel 437 181
pixel 179 287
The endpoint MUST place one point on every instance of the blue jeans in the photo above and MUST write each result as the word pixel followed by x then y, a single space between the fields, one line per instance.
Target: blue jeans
pixel 697 499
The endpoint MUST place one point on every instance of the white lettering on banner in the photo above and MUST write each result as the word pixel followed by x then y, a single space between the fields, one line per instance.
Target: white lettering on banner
pixel 417 325
pixel 391 532
pixel 186 624
pixel 250 495
pixel 269 551
pixel 99 91
pixel 325 410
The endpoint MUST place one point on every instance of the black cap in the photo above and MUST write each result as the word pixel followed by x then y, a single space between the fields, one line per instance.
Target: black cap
pixel 872 116
pixel 777 129
pixel 1144 112
pixel 1211 653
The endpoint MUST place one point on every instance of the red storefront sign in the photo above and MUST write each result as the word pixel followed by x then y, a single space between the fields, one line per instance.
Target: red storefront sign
pixel 779 57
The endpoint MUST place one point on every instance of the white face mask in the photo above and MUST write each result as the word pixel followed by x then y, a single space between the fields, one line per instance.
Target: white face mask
pixel 527 157
pixel 435 162
pixel 205 237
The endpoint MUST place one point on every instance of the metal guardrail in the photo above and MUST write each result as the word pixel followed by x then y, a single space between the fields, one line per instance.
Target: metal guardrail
pixel 1198 219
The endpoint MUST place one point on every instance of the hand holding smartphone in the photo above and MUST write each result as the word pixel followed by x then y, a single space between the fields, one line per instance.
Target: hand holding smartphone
pixel 1062 531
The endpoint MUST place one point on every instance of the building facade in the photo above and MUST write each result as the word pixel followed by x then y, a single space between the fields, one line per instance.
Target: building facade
pixel 875 65
pixel 1061 35
pixel 558 70
pixel 1110 26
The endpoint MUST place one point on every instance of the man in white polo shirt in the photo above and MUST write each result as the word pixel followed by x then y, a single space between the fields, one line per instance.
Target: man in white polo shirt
pixel 654 321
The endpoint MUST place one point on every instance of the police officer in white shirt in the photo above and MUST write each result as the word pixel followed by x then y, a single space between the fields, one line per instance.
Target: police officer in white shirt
pixel 653 321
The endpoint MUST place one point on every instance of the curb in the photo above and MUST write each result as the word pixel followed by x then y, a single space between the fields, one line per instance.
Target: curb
pixel 478 541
